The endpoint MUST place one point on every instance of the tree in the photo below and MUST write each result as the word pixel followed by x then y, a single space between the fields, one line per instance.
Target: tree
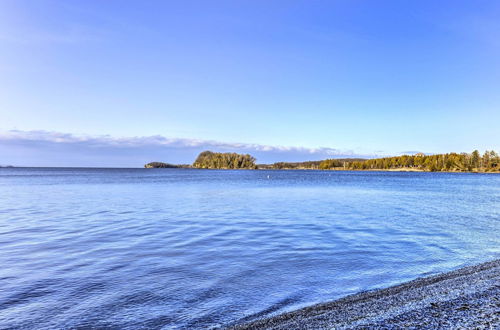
pixel 486 161
pixel 475 159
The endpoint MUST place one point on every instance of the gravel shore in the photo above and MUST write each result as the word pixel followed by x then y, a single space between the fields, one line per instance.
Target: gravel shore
pixel 465 298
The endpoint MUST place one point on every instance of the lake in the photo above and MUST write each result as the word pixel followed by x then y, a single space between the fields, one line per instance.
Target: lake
pixel 182 248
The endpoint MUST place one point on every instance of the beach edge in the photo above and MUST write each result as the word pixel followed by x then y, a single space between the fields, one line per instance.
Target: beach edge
pixel 466 297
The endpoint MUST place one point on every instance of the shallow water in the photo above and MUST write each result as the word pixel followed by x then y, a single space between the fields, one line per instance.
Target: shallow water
pixel 180 248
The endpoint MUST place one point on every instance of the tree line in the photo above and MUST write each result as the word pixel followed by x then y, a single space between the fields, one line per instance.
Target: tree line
pixel 455 162
pixel 309 165
pixel 227 160
pixel 291 165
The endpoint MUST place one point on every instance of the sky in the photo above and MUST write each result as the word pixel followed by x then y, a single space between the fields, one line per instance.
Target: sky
pixel 121 83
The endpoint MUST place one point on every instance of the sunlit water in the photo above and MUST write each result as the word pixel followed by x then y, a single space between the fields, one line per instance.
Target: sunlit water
pixel 163 248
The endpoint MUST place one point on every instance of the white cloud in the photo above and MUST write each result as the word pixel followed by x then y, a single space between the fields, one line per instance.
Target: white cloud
pixel 44 148
pixel 155 140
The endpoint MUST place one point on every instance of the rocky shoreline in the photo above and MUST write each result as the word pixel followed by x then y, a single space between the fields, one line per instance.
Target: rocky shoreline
pixel 465 298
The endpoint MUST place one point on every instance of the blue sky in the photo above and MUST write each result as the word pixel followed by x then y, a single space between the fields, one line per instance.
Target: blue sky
pixel 290 80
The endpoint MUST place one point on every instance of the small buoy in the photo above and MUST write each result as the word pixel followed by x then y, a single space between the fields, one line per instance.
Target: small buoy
pixel 268 176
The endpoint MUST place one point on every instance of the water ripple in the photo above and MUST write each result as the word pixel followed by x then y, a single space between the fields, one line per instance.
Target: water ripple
pixel 135 248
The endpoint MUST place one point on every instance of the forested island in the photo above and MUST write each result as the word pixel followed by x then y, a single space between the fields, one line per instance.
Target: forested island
pixel 227 160
pixel 450 162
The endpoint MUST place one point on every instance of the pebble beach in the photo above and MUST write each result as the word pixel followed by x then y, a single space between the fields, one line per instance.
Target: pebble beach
pixel 465 298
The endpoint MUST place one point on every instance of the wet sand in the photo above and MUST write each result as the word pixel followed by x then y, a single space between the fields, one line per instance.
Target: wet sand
pixel 465 298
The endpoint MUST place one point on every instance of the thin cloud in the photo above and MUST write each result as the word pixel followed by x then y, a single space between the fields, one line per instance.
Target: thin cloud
pixel 155 140
pixel 44 148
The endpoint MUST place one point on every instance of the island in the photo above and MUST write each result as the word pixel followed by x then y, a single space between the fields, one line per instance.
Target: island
pixel 227 160
pixel 160 165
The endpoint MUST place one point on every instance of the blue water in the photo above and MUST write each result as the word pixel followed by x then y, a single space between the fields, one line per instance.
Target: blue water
pixel 169 248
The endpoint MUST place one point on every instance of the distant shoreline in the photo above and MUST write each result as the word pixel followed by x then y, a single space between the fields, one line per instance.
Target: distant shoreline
pixel 467 297
pixel 374 170
pixel 338 170
pixel 184 167
pixel 419 162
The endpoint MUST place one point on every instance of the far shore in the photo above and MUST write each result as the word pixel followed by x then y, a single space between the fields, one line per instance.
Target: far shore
pixel 403 169
pixel 465 298
pixel 419 162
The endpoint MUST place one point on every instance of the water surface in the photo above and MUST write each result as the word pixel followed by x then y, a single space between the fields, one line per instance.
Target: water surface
pixel 180 248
